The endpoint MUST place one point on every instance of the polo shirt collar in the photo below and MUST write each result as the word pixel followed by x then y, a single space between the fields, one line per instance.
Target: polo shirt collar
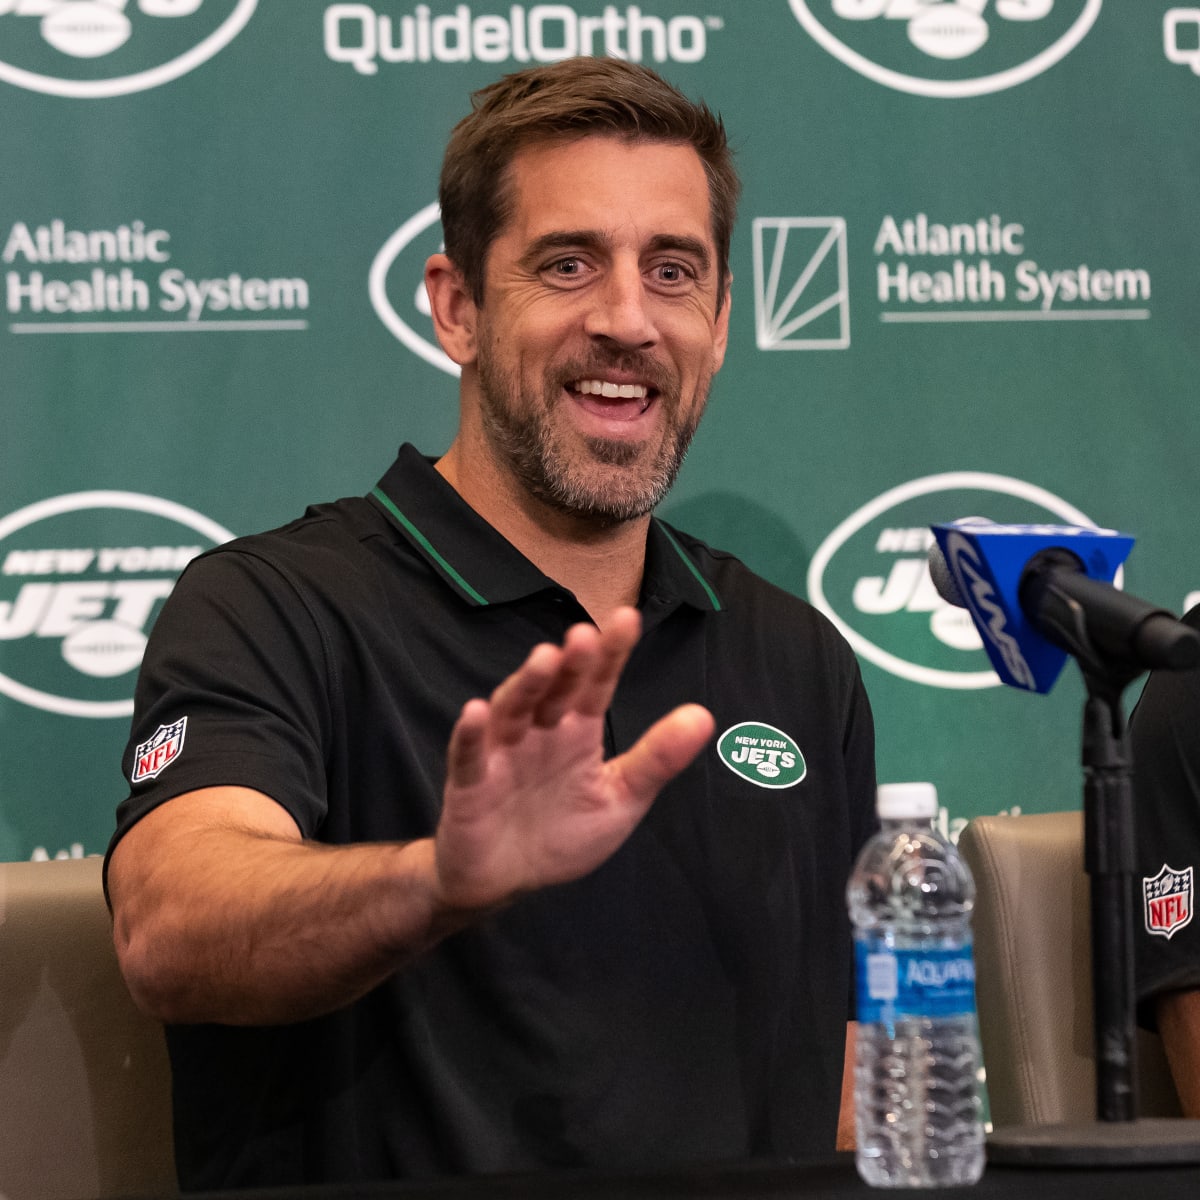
pixel 483 567
pixel 672 574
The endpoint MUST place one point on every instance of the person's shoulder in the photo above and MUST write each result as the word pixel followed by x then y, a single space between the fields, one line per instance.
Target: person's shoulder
pixel 332 532
pixel 325 551
pixel 740 588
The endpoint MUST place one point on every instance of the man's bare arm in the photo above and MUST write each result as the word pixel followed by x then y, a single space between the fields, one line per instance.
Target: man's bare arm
pixel 222 912
pixel 1179 1023
pixel 845 1128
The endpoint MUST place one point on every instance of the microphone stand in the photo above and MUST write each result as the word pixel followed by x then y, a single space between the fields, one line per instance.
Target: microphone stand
pixel 1118 1137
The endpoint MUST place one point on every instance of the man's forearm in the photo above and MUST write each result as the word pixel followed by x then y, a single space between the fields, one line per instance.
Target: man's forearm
pixel 243 927
pixel 1179 1023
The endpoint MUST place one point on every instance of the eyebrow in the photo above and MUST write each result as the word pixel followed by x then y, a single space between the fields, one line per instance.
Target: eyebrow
pixel 680 244
pixel 591 239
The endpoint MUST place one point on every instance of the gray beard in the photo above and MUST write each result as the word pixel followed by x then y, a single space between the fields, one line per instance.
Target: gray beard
pixel 628 484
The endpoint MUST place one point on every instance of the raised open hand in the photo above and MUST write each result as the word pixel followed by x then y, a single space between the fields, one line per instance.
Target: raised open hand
pixel 529 798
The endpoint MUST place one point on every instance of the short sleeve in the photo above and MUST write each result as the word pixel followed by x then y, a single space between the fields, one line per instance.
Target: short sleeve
pixel 233 691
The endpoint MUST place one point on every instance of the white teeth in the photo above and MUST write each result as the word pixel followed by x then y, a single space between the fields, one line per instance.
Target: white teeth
pixel 611 391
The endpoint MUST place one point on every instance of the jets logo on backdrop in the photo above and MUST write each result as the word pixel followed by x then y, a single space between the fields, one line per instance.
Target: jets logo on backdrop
pixel 764 755
pixel 87 49
pixel 948 48
pixel 397 286
pixel 159 751
pixel 82 578
pixel 870 576
pixel 1167 901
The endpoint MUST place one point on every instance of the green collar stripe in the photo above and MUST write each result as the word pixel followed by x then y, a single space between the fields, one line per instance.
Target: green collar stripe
pixel 691 566
pixel 425 544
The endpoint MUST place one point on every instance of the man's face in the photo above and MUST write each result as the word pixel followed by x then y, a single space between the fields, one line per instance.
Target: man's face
pixel 599 332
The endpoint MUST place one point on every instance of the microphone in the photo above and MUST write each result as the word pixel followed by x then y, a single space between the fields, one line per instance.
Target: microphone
pixel 1039 592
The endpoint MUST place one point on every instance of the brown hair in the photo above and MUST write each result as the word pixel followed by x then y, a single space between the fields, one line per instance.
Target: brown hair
pixel 570 99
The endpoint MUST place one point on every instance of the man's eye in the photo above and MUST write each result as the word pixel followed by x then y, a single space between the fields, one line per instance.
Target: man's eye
pixel 673 272
pixel 567 266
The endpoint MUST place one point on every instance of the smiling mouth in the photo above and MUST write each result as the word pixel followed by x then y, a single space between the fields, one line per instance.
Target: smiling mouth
pixel 612 398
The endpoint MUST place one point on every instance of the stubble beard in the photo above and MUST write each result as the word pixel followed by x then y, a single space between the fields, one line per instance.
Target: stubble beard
pixel 604 480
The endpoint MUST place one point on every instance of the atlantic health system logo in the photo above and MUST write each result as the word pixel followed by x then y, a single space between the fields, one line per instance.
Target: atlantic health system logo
pixel 91 49
pixel 801 290
pixel 966 267
pixel 948 48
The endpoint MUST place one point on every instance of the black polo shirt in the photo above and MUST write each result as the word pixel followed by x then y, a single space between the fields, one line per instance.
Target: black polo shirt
pixel 1165 737
pixel 685 1002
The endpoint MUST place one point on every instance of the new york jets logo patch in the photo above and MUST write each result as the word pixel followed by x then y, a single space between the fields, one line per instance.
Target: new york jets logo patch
pixel 764 755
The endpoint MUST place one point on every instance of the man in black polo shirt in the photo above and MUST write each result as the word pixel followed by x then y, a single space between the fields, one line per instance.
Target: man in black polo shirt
pixel 400 930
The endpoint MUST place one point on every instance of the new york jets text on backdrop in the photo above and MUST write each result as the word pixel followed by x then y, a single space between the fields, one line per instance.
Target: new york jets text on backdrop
pixel 76 605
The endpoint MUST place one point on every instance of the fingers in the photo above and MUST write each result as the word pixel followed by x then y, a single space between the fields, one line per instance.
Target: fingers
pixel 516 700
pixel 665 749
pixel 616 643
pixel 466 753
pixel 579 676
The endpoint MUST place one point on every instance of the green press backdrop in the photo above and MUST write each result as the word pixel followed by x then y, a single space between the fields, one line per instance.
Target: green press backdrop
pixel 967 280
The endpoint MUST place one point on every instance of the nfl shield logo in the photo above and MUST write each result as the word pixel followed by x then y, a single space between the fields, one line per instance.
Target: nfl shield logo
pixel 1168 901
pixel 159 751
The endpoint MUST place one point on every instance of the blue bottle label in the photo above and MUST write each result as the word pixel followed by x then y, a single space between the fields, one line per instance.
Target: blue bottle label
pixel 895 983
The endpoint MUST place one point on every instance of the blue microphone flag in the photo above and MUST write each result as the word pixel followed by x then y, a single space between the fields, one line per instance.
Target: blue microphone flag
pixel 986 562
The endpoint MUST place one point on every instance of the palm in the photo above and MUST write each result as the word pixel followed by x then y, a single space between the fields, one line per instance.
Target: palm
pixel 529 799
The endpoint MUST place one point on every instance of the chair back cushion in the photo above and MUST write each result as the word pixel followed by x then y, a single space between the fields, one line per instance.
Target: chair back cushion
pixel 1033 964
pixel 84 1079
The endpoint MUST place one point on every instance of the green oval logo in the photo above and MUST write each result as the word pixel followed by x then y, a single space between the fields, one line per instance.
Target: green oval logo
pixel 764 755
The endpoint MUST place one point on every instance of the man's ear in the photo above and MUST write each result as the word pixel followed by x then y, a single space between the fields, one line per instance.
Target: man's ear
pixel 721 328
pixel 455 316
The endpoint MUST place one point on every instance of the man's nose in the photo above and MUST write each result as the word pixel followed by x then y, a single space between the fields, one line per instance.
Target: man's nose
pixel 619 311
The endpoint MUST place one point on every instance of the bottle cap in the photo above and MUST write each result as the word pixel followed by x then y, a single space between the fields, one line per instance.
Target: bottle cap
pixel 906 801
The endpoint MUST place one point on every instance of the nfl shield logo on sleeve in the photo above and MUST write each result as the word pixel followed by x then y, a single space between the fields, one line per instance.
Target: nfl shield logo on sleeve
pixel 159 751
pixel 1168 901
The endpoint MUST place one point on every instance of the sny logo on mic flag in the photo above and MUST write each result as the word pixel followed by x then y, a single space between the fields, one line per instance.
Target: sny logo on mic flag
pixel 987 562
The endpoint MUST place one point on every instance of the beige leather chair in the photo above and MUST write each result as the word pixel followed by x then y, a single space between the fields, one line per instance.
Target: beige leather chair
pixel 85 1099
pixel 1034 974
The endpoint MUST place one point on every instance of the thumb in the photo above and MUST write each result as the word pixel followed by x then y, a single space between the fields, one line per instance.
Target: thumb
pixel 665 749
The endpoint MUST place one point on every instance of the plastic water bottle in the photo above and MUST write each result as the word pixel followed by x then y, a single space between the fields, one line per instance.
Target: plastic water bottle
pixel 917 1103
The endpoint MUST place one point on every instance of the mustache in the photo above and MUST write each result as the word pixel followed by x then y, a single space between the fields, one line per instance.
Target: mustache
pixel 647 368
